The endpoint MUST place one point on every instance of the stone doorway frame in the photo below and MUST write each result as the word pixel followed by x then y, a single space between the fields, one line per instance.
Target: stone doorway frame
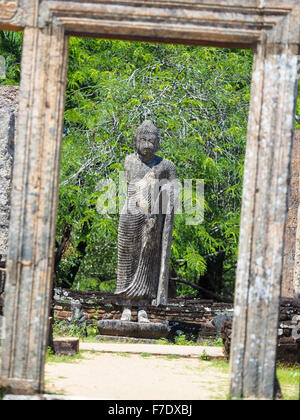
pixel 271 28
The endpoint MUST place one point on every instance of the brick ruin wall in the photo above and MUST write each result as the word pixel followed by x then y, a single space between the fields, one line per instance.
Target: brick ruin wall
pixel 189 316
pixel 288 350
pixel 192 317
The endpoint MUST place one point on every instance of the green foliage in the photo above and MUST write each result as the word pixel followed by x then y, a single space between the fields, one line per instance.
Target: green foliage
pixel 172 356
pixel 11 50
pixel 218 342
pixel 3 392
pixel 67 329
pixel 204 356
pixel 289 380
pixel 57 358
pixel 146 354
pixel 198 98
pixel 181 340
pixel 163 341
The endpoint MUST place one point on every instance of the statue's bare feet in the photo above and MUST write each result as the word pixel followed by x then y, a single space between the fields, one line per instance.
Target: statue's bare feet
pixel 126 314
pixel 142 316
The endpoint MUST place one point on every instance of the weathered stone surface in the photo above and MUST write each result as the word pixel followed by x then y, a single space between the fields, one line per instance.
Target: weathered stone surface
pixel 294 288
pixel 116 338
pixel 146 225
pixel 264 211
pixel 34 201
pixel 219 320
pixel 289 274
pixel 133 329
pixel 8 110
pixel 288 349
pixel 67 346
pixel 105 305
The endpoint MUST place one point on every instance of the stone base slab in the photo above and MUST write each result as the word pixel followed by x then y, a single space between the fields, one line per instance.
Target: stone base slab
pixel 149 330
pixel 66 346
pixel 129 340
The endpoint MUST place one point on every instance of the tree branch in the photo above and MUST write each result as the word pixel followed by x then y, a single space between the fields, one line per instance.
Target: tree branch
pixel 211 295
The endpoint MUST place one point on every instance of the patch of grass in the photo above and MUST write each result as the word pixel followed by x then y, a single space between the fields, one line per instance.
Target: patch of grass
pixel 212 343
pixel 181 340
pixel 123 354
pixel 171 356
pixel 70 329
pixel 92 351
pixel 3 392
pixel 288 376
pixel 56 358
pixel 146 354
pixel 204 356
pixel 221 364
pixel 163 341
pixel 289 380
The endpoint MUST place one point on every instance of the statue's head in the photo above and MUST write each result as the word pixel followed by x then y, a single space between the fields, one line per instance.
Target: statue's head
pixel 146 140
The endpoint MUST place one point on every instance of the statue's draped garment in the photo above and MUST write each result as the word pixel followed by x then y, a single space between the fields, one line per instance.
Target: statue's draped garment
pixel 141 250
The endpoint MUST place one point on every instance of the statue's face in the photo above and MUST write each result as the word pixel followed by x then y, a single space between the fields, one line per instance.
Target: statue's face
pixel 147 144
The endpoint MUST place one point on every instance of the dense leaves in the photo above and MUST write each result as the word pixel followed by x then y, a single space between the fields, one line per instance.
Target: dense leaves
pixel 199 99
pixel 11 50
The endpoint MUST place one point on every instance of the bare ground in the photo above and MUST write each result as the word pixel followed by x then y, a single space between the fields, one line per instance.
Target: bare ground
pixel 112 376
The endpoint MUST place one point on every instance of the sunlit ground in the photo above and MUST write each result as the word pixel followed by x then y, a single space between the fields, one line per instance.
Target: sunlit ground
pixel 129 376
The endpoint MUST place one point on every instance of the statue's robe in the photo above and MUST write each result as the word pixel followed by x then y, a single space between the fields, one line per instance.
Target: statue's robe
pixel 144 239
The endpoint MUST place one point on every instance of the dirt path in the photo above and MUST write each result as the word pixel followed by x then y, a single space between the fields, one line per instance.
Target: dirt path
pixel 127 377
pixel 154 349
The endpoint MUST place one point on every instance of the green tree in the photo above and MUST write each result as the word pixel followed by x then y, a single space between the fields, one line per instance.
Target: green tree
pixel 199 99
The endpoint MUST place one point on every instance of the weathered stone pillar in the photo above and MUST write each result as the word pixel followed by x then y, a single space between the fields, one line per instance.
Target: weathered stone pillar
pixel 291 265
pixel 33 202
pixel 8 108
pixel 264 211
pixel 296 272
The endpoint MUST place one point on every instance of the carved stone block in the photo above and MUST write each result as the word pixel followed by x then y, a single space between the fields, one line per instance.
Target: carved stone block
pixel 66 346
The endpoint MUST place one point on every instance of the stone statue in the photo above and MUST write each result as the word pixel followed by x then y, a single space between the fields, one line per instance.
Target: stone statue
pixel 146 225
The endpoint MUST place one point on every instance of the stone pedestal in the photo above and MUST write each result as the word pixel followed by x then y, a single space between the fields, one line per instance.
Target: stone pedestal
pixel 134 329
